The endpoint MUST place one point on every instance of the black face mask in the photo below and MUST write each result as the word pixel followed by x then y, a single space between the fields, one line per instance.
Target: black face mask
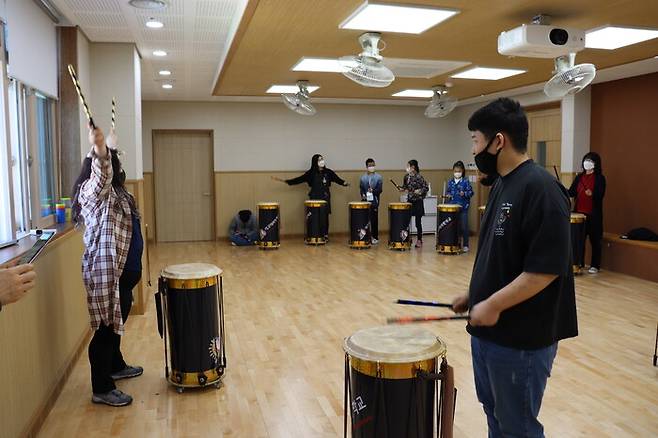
pixel 486 162
pixel 488 180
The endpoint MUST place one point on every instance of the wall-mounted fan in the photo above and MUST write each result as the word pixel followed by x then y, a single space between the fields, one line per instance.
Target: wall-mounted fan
pixel 299 102
pixel 441 104
pixel 367 68
pixel 569 78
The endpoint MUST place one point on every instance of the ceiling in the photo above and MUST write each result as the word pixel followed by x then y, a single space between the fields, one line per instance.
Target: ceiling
pixel 275 34
pixel 221 49
pixel 196 35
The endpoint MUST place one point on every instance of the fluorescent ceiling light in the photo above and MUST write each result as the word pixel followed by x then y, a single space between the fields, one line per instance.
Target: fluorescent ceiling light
pixel 278 89
pixel 164 73
pixel 396 18
pixel 319 64
pixel 614 37
pixel 154 24
pixel 167 86
pixel 159 53
pixel 414 93
pixel 487 73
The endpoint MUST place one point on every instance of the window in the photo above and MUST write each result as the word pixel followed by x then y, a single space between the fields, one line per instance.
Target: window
pixel 45 154
pixel 19 158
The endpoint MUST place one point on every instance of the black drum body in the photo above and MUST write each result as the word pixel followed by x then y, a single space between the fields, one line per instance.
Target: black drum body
pixel 578 241
pixel 448 229
pixel 399 217
pixel 269 220
pixel 316 223
pixel 360 231
pixel 191 319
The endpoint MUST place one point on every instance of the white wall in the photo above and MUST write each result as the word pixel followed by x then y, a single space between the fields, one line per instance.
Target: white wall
pixel 32 45
pixel 268 136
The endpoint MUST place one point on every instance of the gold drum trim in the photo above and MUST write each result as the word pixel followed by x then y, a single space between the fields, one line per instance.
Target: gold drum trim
pixel 359 205
pixel 359 244
pixel 448 249
pixel 408 370
pixel 399 245
pixel 191 380
pixel 314 203
pixel 577 218
pixel 268 206
pixel 448 208
pixel 269 245
pixel 577 269
pixel 399 206
pixel 315 240
pixel 191 283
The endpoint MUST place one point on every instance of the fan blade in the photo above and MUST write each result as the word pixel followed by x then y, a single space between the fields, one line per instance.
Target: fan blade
pixel 440 107
pixel 570 81
pixel 298 104
pixel 370 73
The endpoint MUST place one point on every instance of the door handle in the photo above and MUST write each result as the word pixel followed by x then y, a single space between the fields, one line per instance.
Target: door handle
pixel 206 194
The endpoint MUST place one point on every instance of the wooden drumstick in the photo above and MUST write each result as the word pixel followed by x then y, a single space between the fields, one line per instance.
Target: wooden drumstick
pixel 114 105
pixel 412 319
pixel 85 107
pixel 423 303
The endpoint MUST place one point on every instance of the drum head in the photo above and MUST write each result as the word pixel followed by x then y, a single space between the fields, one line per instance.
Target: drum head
pixel 361 204
pixel 191 271
pixel 268 204
pixel 449 206
pixel 315 202
pixel 578 217
pixel 394 344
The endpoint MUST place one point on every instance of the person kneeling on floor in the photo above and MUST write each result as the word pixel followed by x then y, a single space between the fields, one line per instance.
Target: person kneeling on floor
pixel 243 230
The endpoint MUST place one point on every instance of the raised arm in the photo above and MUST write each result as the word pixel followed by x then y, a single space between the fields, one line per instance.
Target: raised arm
pixel 99 184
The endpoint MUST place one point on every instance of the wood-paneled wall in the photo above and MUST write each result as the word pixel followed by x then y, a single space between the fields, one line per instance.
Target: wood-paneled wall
pixel 235 191
pixel 40 336
pixel 140 293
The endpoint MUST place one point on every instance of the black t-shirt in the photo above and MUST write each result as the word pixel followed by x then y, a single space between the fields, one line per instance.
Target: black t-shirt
pixel 526 228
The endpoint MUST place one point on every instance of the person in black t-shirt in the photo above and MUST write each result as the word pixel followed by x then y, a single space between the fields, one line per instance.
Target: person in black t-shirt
pixel 521 297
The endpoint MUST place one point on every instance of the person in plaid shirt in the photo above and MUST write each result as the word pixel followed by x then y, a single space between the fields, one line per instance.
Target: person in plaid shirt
pixel 111 262
pixel 416 188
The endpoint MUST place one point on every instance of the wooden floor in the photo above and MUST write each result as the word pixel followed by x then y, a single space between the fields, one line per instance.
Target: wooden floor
pixel 287 312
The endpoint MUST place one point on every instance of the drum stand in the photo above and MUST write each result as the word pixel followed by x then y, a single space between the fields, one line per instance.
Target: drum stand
pixel 446 398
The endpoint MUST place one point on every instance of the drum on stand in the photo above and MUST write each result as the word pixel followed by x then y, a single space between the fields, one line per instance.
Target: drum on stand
pixel 481 209
pixel 578 241
pixel 399 217
pixel 190 313
pixel 392 388
pixel 317 218
pixel 360 231
pixel 268 225
pixel 448 229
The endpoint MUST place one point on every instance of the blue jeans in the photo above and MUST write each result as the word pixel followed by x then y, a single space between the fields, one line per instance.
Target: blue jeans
pixel 463 219
pixel 241 240
pixel 510 385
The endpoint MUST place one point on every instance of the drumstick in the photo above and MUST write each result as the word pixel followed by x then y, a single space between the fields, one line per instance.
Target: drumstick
pixel 74 77
pixel 396 186
pixel 424 303
pixel 114 105
pixel 556 174
pixel 412 319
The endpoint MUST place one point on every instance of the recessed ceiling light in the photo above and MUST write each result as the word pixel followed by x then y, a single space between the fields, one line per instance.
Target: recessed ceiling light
pixel 154 24
pixel 148 4
pixel 159 53
pixel 164 73
pixel 167 86
pixel 487 73
pixel 614 37
pixel 414 93
pixel 319 64
pixel 278 89
pixel 396 18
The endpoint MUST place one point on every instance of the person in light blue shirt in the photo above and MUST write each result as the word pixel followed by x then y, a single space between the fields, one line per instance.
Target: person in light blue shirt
pixel 371 185
pixel 459 191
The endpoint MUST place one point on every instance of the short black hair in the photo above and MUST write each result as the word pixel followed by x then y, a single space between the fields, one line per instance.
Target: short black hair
pixel 502 115
pixel 414 164
pixel 459 164
pixel 370 160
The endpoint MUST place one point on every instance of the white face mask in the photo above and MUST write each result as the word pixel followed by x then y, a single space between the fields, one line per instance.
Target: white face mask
pixel 321 163
pixel 408 169
pixel 458 175
pixel 371 169
pixel 588 165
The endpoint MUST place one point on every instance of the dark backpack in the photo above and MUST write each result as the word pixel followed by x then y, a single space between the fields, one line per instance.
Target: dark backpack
pixel 641 234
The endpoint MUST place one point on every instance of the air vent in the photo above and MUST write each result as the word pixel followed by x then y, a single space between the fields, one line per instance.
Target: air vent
pixel 421 68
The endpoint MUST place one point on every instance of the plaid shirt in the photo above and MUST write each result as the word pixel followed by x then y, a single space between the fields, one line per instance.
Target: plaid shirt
pixel 108 230
pixel 413 182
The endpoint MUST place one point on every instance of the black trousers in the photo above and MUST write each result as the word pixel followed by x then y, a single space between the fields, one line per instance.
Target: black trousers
pixel 594 230
pixel 419 227
pixel 105 355
pixel 374 222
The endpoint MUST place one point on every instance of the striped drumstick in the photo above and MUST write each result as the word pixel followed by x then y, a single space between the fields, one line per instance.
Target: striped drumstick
pixel 114 106
pixel 412 319
pixel 424 303
pixel 85 107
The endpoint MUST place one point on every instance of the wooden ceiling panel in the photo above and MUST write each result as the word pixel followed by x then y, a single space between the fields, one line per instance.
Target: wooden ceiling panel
pixel 279 32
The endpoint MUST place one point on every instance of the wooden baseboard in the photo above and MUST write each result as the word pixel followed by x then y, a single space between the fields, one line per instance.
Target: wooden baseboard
pixel 39 417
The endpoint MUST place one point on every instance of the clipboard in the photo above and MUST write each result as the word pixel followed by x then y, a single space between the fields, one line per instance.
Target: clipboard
pixel 43 239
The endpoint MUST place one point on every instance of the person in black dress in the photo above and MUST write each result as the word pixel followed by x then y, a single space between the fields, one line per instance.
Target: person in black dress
pixel 319 179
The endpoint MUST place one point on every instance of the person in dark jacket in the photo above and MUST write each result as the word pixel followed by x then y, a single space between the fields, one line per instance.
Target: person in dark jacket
pixel 319 179
pixel 243 230
pixel 460 192
pixel 416 188
pixel 588 190
pixel 371 186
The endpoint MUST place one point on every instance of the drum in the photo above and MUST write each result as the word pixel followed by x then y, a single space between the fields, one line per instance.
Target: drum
pixel 317 219
pixel 399 216
pixel 190 311
pixel 448 229
pixel 578 241
pixel 360 231
pixel 268 225
pixel 481 209
pixel 391 383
